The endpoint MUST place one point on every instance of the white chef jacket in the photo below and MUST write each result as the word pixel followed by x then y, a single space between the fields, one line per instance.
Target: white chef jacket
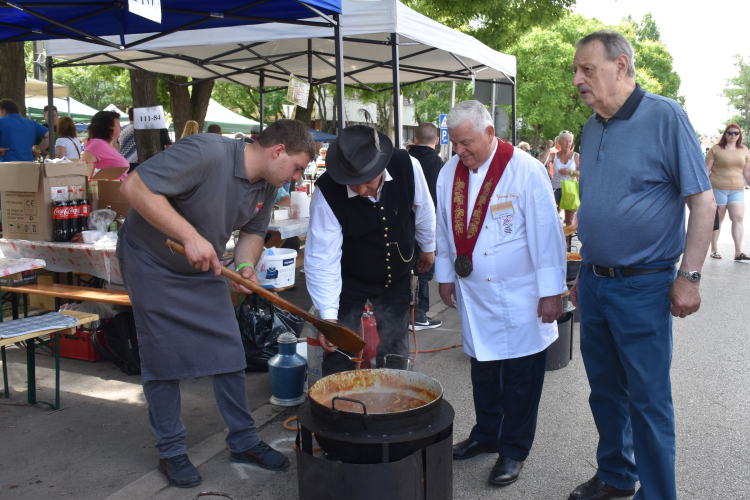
pixel 325 237
pixel 516 260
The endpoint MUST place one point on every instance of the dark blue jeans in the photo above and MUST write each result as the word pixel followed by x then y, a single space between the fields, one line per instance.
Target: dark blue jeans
pixel 626 345
pixel 506 402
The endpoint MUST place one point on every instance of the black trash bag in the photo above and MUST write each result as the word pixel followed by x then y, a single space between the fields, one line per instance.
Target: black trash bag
pixel 260 335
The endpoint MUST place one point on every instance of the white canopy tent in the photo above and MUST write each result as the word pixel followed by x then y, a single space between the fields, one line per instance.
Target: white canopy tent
pixel 38 88
pixel 384 42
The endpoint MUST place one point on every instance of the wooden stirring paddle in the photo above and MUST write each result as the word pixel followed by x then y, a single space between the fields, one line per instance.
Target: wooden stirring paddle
pixel 338 335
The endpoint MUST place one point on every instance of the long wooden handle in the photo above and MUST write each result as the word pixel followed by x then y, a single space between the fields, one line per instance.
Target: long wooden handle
pixel 337 334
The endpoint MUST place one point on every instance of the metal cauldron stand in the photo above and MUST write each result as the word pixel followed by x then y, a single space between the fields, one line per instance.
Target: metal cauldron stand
pixel 426 474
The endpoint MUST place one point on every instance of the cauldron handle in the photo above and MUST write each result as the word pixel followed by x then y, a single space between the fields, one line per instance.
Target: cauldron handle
pixel 333 403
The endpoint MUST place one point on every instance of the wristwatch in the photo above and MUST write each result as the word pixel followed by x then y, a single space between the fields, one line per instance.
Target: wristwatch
pixel 693 276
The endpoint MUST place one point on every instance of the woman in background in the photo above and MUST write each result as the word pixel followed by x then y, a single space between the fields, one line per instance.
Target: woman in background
pixel 564 167
pixel 191 127
pixel 104 130
pixel 728 162
pixel 67 144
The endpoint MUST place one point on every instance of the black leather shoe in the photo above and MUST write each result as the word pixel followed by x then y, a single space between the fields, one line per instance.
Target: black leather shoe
pixel 505 471
pixel 468 448
pixel 180 471
pixel 596 489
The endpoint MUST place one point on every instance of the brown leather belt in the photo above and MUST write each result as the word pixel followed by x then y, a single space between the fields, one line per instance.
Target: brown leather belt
pixel 625 272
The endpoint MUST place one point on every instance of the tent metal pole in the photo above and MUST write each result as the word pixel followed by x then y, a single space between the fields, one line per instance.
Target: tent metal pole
pixel 50 109
pixel 397 131
pixel 262 99
pixel 453 93
pixel 339 61
pixel 493 103
pixel 513 141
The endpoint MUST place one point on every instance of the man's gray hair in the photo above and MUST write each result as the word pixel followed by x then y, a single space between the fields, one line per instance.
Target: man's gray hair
pixel 615 45
pixel 473 111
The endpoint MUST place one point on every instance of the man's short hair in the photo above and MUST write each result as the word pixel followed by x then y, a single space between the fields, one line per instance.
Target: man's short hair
pixel 426 133
pixel 615 45
pixel 473 111
pixel 46 108
pixel 9 106
pixel 130 114
pixel 293 134
pixel 214 129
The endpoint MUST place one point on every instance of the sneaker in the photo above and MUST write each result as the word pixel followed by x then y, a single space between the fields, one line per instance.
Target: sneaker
pixel 426 324
pixel 262 455
pixel 180 472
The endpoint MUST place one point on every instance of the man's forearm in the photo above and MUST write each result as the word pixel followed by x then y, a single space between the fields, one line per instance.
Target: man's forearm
pixel 248 249
pixel 700 225
pixel 156 209
pixel 44 144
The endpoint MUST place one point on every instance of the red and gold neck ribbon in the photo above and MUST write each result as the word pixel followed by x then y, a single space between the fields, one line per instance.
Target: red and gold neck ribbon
pixel 466 238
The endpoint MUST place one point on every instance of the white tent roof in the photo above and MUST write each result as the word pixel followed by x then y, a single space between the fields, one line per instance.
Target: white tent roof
pixel 38 88
pixel 428 50
pixel 228 120
pixel 112 107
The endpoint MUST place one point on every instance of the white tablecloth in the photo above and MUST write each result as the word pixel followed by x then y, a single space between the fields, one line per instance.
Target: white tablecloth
pixel 10 266
pixel 290 227
pixel 66 257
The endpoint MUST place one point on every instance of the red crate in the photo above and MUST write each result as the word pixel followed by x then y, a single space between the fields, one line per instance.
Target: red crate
pixel 78 346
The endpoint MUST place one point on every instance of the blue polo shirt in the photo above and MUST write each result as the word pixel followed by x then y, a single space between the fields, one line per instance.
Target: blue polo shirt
pixel 19 134
pixel 636 170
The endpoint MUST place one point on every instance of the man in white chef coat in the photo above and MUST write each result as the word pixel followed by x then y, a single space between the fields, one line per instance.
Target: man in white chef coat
pixel 501 261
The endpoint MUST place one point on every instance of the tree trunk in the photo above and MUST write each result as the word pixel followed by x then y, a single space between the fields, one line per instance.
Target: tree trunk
pixel 199 102
pixel 143 88
pixel 305 115
pixel 179 100
pixel 13 74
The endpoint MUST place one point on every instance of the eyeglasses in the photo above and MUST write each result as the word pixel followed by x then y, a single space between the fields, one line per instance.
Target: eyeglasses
pixel 729 132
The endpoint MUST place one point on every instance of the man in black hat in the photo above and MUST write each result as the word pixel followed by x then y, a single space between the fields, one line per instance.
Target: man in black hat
pixel 368 210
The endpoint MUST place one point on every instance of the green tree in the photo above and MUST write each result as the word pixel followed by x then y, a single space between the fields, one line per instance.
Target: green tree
pixel 496 23
pixel 547 102
pixel 246 101
pixel 97 86
pixel 738 91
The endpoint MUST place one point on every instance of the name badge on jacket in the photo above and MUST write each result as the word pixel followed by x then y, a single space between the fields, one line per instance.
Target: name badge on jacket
pixel 506 215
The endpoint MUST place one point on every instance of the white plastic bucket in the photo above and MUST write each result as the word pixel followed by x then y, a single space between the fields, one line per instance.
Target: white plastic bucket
pixel 277 267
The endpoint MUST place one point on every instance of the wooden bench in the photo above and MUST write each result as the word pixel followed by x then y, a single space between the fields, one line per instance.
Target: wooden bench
pixel 69 292
pixel 32 340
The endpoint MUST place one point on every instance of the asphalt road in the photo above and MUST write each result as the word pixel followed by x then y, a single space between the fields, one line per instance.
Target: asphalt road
pixel 100 444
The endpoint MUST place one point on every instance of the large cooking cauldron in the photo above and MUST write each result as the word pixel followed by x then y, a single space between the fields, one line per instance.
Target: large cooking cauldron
pixel 364 405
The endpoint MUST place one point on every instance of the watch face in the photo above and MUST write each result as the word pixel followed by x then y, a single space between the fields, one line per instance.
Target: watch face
pixel 694 276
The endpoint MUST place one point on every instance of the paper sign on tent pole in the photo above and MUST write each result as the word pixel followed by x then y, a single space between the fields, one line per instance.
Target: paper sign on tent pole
pixel 298 91
pixel 150 9
pixel 149 118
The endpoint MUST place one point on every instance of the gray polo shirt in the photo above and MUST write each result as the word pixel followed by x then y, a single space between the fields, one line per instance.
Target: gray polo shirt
pixel 636 170
pixel 203 176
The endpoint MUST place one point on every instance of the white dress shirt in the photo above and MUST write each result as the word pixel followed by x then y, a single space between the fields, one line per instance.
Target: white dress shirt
pixel 519 257
pixel 325 237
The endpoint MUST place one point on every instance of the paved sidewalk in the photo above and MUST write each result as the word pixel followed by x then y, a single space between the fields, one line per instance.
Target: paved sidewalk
pixel 100 445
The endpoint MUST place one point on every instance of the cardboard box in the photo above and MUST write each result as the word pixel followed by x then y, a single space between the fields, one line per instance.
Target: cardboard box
pixel 22 278
pixel 26 196
pixel 109 194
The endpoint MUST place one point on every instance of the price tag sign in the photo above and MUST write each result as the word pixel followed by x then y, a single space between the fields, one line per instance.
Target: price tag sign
pixel 150 9
pixel 148 118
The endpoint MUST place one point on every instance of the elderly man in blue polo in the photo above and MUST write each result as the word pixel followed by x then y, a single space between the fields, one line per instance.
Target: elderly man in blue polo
pixel 640 164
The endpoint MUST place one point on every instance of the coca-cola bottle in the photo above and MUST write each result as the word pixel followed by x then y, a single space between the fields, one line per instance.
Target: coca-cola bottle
pixel 73 213
pixel 60 221
pixel 85 209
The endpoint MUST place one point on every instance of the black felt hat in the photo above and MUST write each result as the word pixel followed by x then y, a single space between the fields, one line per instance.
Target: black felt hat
pixel 358 155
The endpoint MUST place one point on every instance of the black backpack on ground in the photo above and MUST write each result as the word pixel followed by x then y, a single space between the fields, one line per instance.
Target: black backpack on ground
pixel 118 343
